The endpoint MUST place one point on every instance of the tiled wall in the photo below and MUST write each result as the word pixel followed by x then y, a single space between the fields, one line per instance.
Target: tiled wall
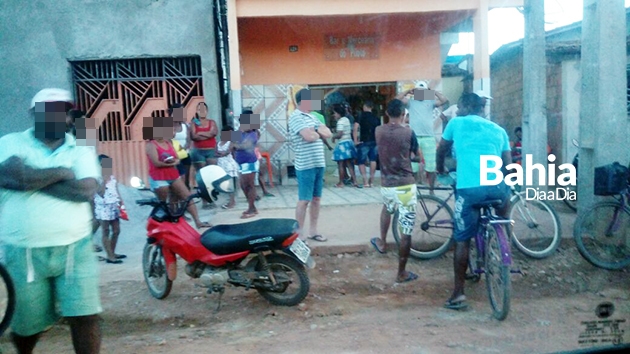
pixel 270 101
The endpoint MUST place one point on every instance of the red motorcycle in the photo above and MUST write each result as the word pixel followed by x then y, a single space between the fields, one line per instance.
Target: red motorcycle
pixel 265 254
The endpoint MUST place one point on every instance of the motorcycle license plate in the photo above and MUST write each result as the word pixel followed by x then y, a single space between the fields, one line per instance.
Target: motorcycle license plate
pixel 300 250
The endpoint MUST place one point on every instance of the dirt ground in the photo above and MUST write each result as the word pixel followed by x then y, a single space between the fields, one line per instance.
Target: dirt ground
pixel 355 307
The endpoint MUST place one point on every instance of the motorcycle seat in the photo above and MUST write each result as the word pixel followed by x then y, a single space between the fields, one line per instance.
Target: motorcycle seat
pixel 227 239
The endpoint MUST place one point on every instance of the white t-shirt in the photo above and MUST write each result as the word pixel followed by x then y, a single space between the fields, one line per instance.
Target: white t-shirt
pixel 343 124
pixel 32 219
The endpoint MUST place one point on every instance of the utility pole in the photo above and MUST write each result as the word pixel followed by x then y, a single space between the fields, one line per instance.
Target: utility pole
pixel 534 123
pixel 604 121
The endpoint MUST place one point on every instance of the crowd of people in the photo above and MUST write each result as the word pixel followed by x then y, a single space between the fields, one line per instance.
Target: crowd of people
pixel 49 172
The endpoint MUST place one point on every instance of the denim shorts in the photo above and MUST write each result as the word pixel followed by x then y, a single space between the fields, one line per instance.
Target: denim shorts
pixel 202 155
pixel 310 183
pixel 366 152
pixel 467 217
pixel 51 282
pixel 249 167
pixel 155 185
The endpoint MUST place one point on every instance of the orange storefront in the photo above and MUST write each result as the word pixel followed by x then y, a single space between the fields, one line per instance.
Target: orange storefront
pixel 279 46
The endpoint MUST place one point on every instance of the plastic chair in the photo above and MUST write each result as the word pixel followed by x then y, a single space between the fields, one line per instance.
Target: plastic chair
pixel 267 157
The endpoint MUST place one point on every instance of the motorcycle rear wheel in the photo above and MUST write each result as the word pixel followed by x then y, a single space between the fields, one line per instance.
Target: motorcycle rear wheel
pixel 154 270
pixel 287 271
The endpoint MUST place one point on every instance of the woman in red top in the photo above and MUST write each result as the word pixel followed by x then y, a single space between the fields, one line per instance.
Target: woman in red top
pixel 163 174
pixel 203 133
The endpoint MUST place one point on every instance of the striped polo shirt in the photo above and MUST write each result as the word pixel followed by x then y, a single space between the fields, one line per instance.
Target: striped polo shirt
pixel 307 154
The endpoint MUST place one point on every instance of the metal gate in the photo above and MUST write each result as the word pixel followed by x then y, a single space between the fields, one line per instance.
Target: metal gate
pixel 119 93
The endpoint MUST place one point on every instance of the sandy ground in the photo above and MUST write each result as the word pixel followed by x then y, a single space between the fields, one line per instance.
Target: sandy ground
pixel 355 307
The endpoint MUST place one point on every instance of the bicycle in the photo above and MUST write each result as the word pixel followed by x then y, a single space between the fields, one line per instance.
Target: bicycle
pixel 602 234
pixel 537 230
pixel 491 255
pixel 7 299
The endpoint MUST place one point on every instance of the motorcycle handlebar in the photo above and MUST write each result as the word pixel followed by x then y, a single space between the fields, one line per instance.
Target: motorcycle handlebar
pixel 154 202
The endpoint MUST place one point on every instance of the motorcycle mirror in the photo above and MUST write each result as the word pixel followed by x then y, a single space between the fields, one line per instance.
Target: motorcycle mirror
pixel 575 143
pixel 136 182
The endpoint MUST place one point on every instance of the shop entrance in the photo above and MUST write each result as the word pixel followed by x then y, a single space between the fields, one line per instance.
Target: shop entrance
pixel 356 94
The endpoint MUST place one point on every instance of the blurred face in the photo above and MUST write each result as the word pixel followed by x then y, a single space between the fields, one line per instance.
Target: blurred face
pixel 178 115
pixel 51 120
pixel 86 131
pixel 228 136
pixel 249 122
pixel 202 110
pixel 107 167
pixel 156 128
pixel 312 100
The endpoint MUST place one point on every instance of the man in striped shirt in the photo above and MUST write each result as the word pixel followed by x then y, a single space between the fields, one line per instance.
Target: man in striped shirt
pixel 306 133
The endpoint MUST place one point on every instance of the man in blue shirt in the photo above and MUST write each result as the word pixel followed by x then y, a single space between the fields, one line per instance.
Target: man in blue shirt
pixel 472 137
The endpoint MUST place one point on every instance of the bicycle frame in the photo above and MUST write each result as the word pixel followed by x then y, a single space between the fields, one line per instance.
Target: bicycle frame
pixel 486 219
pixel 426 210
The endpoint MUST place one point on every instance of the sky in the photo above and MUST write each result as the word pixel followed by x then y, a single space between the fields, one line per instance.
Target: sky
pixel 507 25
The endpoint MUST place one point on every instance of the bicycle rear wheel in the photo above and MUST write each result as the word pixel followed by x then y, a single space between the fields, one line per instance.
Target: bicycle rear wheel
pixel 7 299
pixel 497 271
pixel 432 233
pixel 536 231
pixel 602 235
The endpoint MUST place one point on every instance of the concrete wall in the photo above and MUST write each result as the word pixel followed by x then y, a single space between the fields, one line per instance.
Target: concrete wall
pixel 38 38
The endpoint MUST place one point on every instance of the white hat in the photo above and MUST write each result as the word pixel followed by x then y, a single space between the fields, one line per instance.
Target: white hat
pixel 51 95
pixel 423 85
pixel 483 94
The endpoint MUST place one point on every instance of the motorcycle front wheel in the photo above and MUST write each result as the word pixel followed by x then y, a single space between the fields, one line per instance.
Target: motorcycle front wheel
pixel 292 283
pixel 154 269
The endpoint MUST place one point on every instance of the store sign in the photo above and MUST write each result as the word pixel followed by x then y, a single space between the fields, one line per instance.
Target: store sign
pixel 351 47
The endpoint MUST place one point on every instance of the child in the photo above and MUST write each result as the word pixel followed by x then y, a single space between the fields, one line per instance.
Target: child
pixel 226 161
pixel 107 210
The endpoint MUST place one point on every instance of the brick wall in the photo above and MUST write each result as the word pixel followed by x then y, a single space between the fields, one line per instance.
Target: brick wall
pixel 507 91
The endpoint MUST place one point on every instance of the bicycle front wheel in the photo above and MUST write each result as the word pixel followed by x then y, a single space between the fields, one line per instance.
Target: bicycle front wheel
pixel 7 299
pixel 536 231
pixel 602 235
pixel 497 271
pixel 432 233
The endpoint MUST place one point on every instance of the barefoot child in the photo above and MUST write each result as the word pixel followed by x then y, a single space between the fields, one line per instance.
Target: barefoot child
pixel 107 210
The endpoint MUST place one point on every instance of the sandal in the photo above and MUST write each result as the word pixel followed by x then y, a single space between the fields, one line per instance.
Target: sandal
pixel 121 256
pixel 267 194
pixel 115 261
pixel 204 225
pixel 410 277
pixel 457 304
pixel 373 242
pixel 318 238
pixel 248 215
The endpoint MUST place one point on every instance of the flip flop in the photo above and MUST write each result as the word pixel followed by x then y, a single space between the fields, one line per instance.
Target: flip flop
pixel 204 225
pixel 456 304
pixel 121 256
pixel 373 242
pixel 116 261
pixel 360 186
pixel 318 238
pixel 248 215
pixel 269 195
pixel 411 276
